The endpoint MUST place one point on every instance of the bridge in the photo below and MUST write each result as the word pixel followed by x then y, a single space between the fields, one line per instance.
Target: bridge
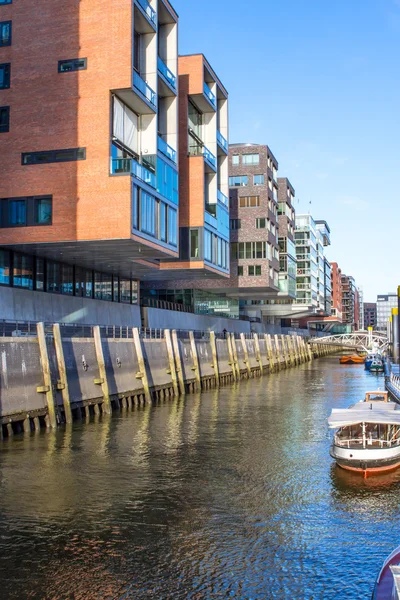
pixel 359 340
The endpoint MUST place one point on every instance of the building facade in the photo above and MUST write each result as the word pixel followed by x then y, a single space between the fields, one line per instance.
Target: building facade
pixel 287 247
pixel 369 315
pixel 337 292
pixel 350 303
pixel 384 305
pixel 89 175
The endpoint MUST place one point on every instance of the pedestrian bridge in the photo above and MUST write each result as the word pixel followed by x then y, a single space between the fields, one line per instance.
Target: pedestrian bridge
pixel 359 340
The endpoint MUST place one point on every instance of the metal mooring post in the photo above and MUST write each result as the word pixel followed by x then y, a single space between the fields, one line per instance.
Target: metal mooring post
pixel 395 327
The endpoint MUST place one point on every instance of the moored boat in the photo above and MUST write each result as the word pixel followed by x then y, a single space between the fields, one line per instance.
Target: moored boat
pixel 387 584
pixel 376 365
pixel 354 359
pixel 367 435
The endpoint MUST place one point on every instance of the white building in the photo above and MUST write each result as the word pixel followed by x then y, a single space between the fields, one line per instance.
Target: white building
pixel 384 305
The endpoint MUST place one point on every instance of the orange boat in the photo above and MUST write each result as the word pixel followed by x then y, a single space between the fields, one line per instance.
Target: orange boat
pixel 354 359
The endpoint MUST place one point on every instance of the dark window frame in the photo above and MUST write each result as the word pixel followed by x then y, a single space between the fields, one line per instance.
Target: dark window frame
pixel 7 73
pixel 30 209
pixel 10 38
pixel 5 2
pixel 52 156
pixel 9 202
pixel 5 128
pixel 75 66
pixel 36 200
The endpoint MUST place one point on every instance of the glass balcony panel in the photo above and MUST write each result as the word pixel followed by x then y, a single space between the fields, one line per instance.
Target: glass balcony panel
pixel 150 12
pixel 211 97
pixel 167 150
pixel 129 165
pixel 209 156
pixel 222 198
pixel 168 74
pixel 222 141
pixel 145 89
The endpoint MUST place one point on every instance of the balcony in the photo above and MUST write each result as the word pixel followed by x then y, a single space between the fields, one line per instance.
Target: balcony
pixel 144 89
pixel 222 143
pixel 210 219
pixel 126 166
pixel 209 95
pixel 167 150
pixel 222 198
pixel 209 158
pixel 148 11
pixel 166 73
pixel 197 149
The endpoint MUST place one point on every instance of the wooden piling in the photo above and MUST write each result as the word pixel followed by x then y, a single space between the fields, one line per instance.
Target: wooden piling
pixel 142 364
pixel 47 389
pixel 258 353
pixel 63 383
pixel 235 357
pixel 213 344
pixel 246 353
pixel 178 362
pixel 231 356
pixel 106 406
pixel 171 360
pixel 195 358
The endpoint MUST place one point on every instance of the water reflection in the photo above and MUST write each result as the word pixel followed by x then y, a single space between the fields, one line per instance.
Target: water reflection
pixel 229 493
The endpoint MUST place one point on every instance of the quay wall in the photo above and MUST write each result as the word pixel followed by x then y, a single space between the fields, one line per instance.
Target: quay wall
pixel 54 377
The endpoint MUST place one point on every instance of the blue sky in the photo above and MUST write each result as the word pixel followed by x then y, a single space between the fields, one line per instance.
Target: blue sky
pixel 319 82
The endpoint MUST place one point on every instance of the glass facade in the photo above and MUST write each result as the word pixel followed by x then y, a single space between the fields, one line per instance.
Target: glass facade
pixel 43 275
pixel 201 302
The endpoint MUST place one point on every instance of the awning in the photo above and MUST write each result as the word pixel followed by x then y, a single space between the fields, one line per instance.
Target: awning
pixel 385 413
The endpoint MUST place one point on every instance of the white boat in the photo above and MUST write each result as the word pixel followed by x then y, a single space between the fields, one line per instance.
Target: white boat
pixel 367 434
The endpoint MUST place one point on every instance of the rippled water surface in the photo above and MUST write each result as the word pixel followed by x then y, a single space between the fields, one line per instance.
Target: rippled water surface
pixel 228 494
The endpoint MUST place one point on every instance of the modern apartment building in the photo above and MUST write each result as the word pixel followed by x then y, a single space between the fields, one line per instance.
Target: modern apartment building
pixel 384 305
pixel 369 315
pixel 324 268
pixel 350 302
pixel 307 282
pixel 360 307
pixel 89 175
pixel 287 247
pixel 336 286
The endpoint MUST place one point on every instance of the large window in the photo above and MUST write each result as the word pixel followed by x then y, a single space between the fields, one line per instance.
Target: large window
pixel 195 121
pixel 162 222
pixel 125 126
pixel 17 212
pixel 207 245
pixel 238 181
pixel 167 181
pixel 43 211
pixel 236 224
pixel 103 286
pixel 249 201
pixel 235 159
pixel 250 159
pixel 23 271
pixel 254 270
pixel 5 70
pixel 261 223
pixel 194 243
pixel 4 119
pixel 51 156
pixel 5 1
pixel 5 33
pixel 172 227
pixel 258 179
pixel 249 250
pixel 4 267
pixel 148 213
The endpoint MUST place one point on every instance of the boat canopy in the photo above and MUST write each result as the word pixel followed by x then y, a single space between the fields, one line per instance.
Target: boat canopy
pixel 365 412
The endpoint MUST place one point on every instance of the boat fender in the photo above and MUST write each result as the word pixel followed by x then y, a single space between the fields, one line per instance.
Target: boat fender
pixel 363 465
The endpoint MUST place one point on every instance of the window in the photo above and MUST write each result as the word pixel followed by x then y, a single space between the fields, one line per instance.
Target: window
pixel 240 271
pixel 53 277
pixel 23 271
pixel 43 211
pixel 147 213
pixel 207 245
pixel 236 224
pixel 5 33
pixel 194 243
pixel 125 126
pixel 249 201
pixel 74 64
pixel 17 212
pixel 172 227
pixel 162 228
pixel 125 292
pixel 4 267
pixel 67 279
pixel 4 119
pixel 238 181
pixel 235 159
pixel 254 270
pixel 195 121
pixel 39 274
pixel 5 1
pixel 5 70
pixel 250 159
pixel 258 179
pixel 261 223
pixel 51 156
pixel 249 250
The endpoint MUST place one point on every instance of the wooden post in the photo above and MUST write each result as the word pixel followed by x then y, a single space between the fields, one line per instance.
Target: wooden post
pixel 178 362
pixel 47 389
pixel 231 357
pixel 213 344
pixel 63 373
pixel 285 353
pixel 106 406
pixel 258 352
pixel 277 352
pixel 268 343
pixel 235 358
pixel 246 354
pixel 142 365
pixel 295 349
pixel 292 352
pixel 195 367
pixel 171 359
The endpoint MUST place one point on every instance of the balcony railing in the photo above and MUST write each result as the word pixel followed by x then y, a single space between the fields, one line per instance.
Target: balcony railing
pixel 150 12
pixel 211 97
pixel 210 219
pixel 168 74
pixel 222 198
pixel 222 141
pixel 166 149
pixel 196 149
pixel 130 165
pixel 209 156
pixel 145 89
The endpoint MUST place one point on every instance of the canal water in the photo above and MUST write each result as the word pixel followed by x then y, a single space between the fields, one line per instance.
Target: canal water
pixel 228 494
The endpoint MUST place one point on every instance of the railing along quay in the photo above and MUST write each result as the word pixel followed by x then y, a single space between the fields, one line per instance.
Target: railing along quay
pixel 52 374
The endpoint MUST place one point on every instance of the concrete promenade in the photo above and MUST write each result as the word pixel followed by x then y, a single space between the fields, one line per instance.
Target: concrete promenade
pixel 55 376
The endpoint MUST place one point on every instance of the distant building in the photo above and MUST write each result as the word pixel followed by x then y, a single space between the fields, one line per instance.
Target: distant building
pixel 361 308
pixel 336 284
pixel 350 302
pixel 384 305
pixel 369 315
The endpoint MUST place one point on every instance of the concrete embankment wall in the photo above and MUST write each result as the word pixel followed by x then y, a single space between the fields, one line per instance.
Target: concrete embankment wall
pixel 50 378
pixel 157 318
